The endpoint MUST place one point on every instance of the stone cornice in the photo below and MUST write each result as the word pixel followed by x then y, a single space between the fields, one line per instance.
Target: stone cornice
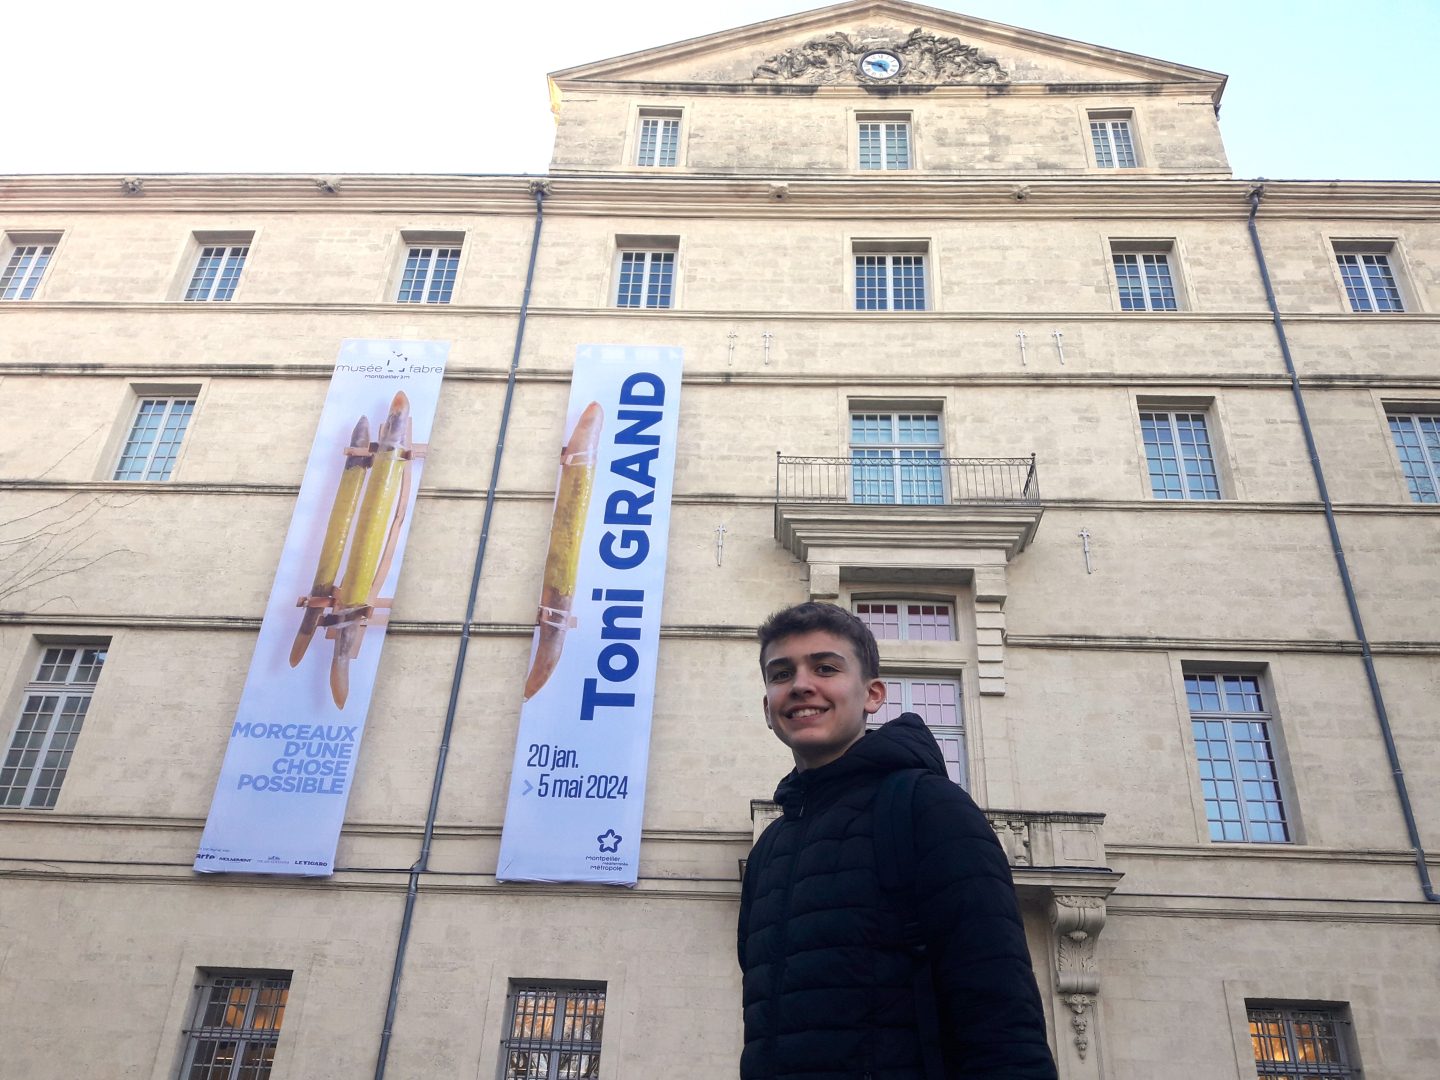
pixel 820 20
pixel 800 526
pixel 25 201
pixel 25 308
pixel 46 622
pixel 1207 89
pixel 1158 643
pixel 51 622
pixel 191 488
pixel 858 380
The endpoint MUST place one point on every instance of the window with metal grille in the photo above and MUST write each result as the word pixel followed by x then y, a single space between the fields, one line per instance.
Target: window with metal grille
pixel 646 279
pixel 1417 440
pixel 154 440
pixel 937 701
pixel 554 1032
pixel 884 145
pixel 659 141
pixel 236 1026
pixel 1178 452
pixel 895 458
pixel 906 620
pixel 23 270
pixel 1299 1044
pixel 889 282
pixel 1145 282
pixel 1370 282
pixel 217 272
pixel 1114 148
pixel 429 276
pixel 54 708
pixel 1238 771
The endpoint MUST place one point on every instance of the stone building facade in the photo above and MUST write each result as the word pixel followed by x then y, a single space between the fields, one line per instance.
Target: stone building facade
pixel 976 343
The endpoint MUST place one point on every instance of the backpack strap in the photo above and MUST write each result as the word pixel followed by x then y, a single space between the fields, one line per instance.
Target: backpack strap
pixel 895 863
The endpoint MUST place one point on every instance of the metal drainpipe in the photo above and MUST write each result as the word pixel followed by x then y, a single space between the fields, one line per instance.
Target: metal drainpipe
pixel 1376 696
pixel 540 188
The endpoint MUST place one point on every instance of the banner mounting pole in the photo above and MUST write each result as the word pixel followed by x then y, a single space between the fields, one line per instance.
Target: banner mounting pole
pixel 539 189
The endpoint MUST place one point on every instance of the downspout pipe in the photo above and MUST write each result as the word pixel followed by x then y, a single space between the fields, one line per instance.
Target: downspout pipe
pixel 1375 694
pixel 539 188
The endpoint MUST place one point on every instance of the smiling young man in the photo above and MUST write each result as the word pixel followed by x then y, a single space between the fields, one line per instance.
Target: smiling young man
pixel 879 934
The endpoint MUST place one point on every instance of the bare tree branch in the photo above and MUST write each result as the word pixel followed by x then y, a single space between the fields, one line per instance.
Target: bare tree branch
pixel 52 542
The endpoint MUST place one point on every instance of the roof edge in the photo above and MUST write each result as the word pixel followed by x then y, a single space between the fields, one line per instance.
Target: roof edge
pixel 612 69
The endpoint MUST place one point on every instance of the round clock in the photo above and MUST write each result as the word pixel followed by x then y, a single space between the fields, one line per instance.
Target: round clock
pixel 880 65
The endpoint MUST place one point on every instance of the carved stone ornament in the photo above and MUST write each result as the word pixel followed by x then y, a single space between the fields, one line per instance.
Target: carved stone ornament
pixel 1079 1003
pixel 540 187
pixel 327 185
pixel 133 185
pixel 924 58
pixel 1077 922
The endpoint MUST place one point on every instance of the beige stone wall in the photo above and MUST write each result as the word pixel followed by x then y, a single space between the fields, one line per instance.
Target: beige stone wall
pixel 1093 717
pixel 955 130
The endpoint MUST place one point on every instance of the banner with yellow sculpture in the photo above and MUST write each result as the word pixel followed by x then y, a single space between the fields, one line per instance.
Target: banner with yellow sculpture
pixel 280 799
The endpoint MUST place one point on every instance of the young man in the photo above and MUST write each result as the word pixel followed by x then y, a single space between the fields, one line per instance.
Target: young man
pixel 828 946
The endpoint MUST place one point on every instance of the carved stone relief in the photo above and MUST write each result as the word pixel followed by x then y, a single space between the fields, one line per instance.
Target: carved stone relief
pixel 924 58
pixel 1079 1003
pixel 1077 922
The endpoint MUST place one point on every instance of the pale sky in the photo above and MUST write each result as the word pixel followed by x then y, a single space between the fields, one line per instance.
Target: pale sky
pixel 1318 89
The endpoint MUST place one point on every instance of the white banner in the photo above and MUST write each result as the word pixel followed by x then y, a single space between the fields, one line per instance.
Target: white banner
pixel 577 789
pixel 280 799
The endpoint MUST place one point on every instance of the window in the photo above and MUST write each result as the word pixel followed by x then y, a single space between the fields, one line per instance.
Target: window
pixel 554 1032
pixel 884 144
pixel 429 275
pixel 1237 761
pixel 659 143
pixel 24 268
pixel 1299 1044
pixel 647 279
pixel 1417 438
pixel 937 702
pixel 1145 281
pixel 906 620
pixel 154 441
pixel 889 282
pixel 1177 449
pixel 236 1025
pixel 1114 147
pixel 55 705
pixel 217 272
pixel 895 458
pixel 1369 282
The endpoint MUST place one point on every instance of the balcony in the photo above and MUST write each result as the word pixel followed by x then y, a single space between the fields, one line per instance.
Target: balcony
pixel 907 478
pixel 906 502
pixel 902 517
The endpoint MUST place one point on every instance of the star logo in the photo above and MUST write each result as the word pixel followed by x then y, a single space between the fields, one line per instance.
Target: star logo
pixel 612 838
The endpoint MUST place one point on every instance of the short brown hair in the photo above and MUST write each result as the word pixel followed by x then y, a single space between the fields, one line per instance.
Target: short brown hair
pixel 831 618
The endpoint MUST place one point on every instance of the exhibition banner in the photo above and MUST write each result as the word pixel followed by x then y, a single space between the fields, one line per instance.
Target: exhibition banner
pixel 577 788
pixel 280 800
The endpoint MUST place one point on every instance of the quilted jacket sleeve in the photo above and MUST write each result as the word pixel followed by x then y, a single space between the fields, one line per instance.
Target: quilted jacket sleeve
pixel 991 1018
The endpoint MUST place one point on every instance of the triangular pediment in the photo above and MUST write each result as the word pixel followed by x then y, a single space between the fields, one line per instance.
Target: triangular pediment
pixel 825 47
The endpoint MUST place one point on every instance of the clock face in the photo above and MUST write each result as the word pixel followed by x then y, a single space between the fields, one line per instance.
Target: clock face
pixel 880 65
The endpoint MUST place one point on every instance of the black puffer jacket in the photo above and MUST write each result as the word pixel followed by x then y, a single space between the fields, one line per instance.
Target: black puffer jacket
pixel 828 993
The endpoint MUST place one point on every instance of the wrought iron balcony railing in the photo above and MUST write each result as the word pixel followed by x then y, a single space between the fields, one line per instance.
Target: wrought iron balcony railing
pixel 907 478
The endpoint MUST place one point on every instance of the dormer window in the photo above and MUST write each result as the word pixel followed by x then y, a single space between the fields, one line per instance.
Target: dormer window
pixel 884 141
pixel 1112 138
pixel 659 141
